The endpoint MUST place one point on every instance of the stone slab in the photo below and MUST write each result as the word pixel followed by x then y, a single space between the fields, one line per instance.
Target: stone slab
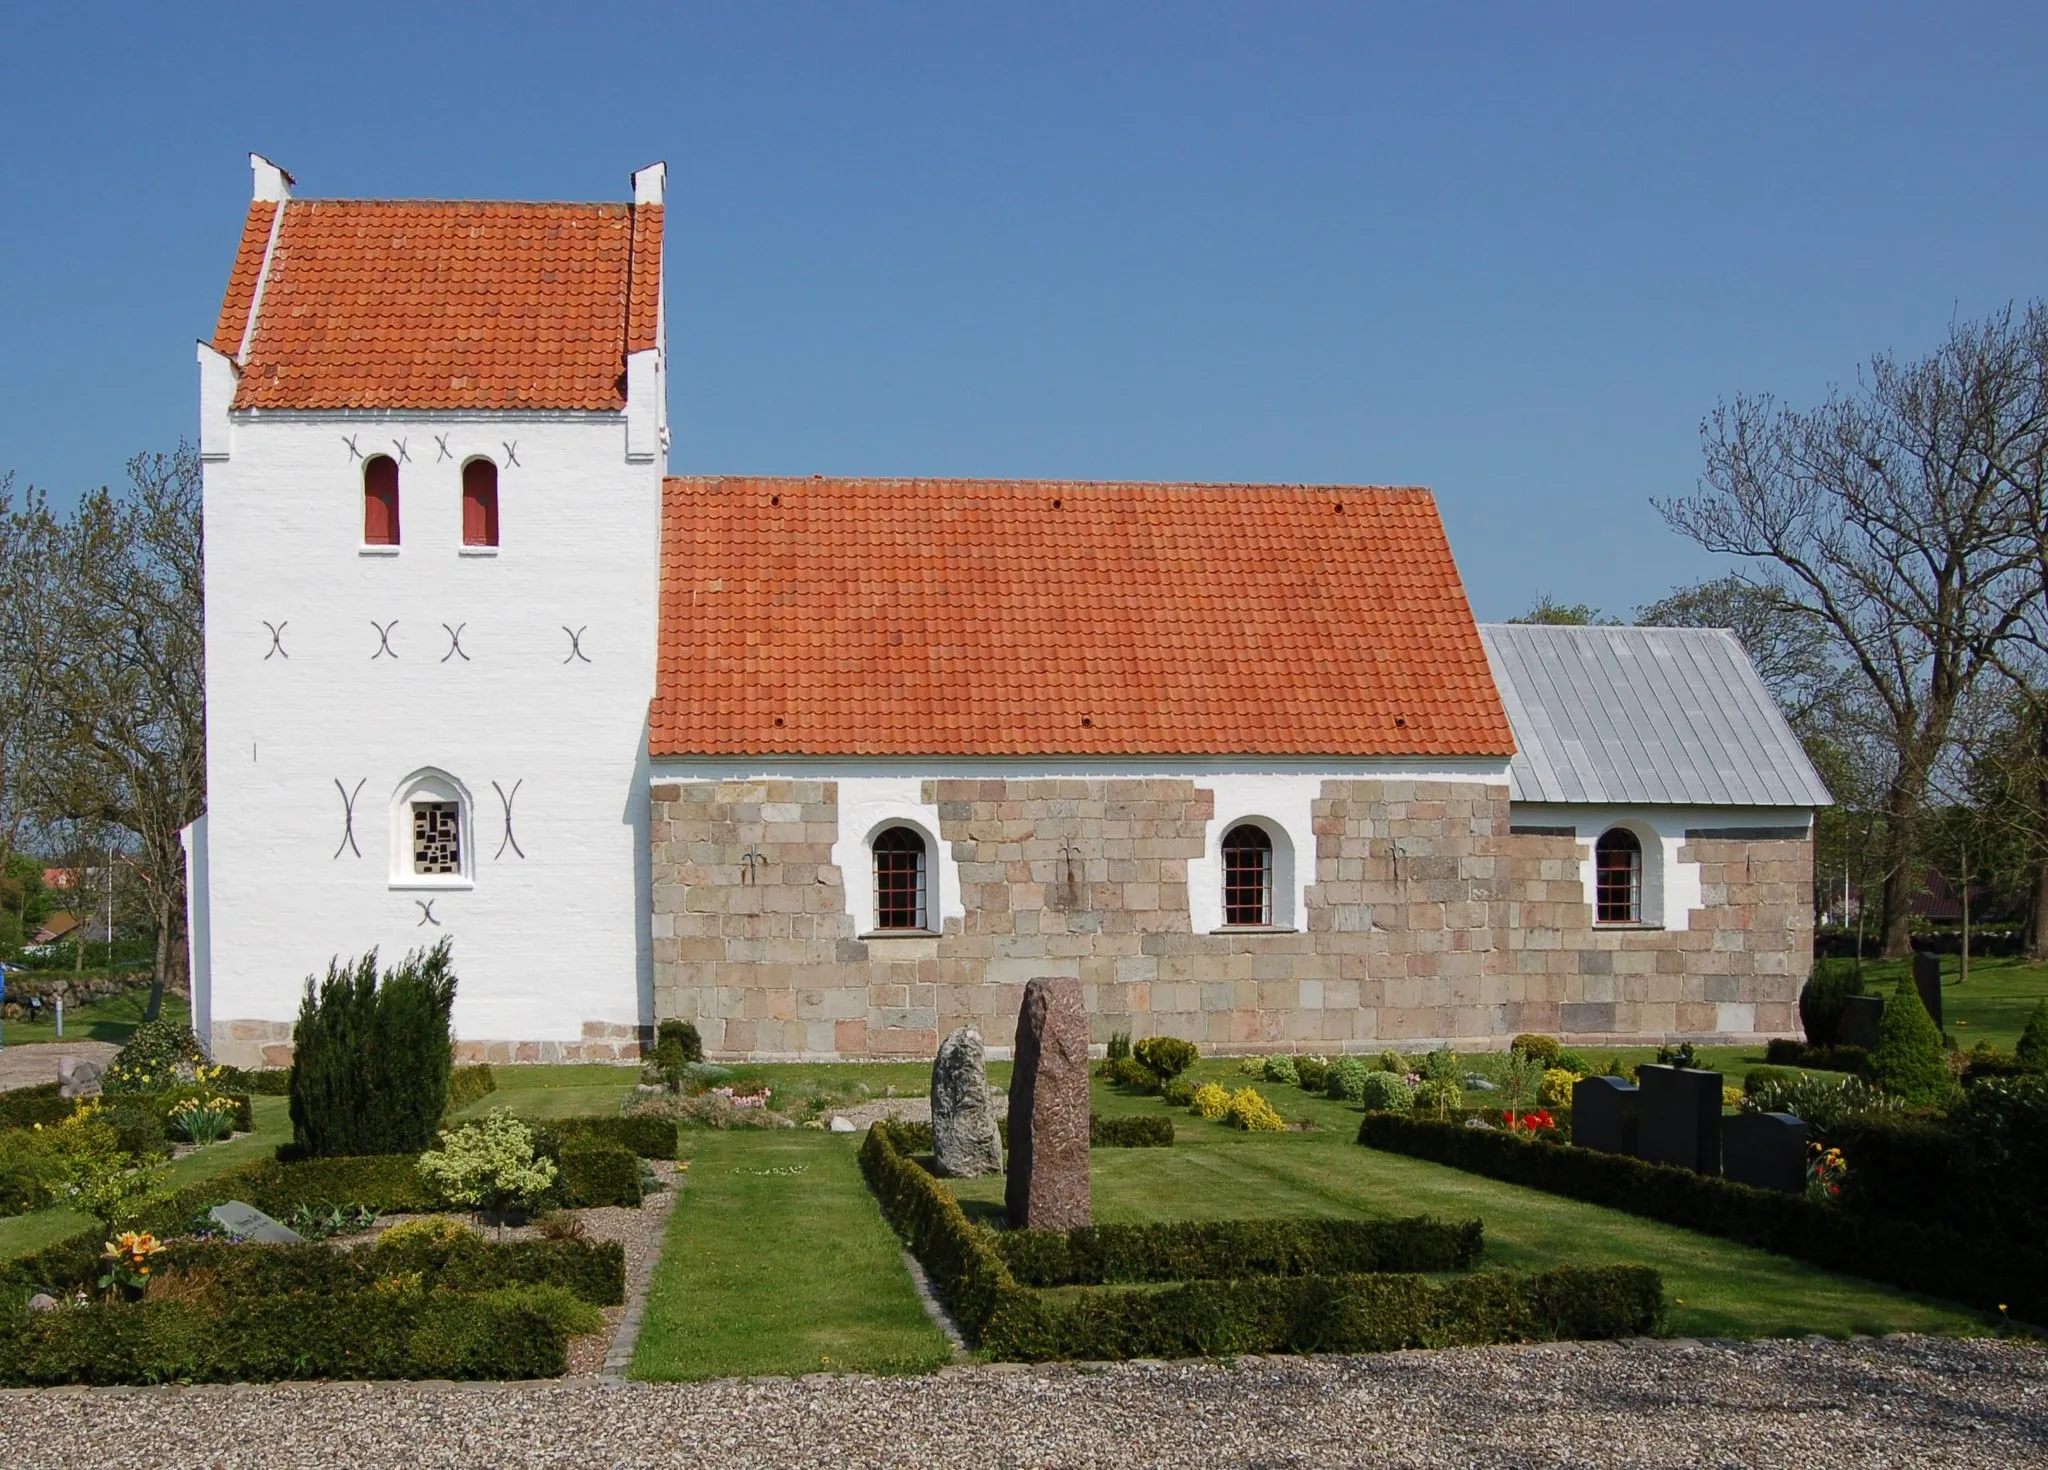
pixel 1765 1151
pixel 246 1222
pixel 1604 1112
pixel 1680 1118
pixel 1049 1187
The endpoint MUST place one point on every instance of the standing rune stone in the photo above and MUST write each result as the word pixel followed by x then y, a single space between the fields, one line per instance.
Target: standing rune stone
pixel 964 1136
pixel 1048 1187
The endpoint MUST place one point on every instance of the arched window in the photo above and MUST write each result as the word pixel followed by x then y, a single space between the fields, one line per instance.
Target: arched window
pixel 432 834
pixel 380 501
pixel 479 503
pixel 1247 876
pixel 1618 878
pixel 900 880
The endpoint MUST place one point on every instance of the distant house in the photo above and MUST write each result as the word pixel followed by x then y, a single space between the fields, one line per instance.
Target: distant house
pixel 60 925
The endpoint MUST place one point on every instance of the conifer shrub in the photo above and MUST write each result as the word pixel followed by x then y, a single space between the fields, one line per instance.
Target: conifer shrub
pixel 1178 1093
pixel 682 1034
pixel 1280 1068
pixel 1386 1093
pixel 1312 1073
pixel 2033 1048
pixel 1166 1056
pixel 1346 1081
pixel 372 1060
pixel 1908 1061
pixel 1824 996
pixel 1538 1048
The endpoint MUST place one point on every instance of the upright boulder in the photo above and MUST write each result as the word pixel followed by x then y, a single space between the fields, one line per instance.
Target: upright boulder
pixel 1048 1186
pixel 965 1141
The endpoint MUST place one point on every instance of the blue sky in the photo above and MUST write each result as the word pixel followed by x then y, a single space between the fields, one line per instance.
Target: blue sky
pixel 1511 252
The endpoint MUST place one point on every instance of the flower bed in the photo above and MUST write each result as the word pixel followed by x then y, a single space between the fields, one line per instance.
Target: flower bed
pixel 1261 1313
pixel 1942 1262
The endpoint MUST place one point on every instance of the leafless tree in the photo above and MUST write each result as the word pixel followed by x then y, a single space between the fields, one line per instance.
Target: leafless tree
pixel 1903 517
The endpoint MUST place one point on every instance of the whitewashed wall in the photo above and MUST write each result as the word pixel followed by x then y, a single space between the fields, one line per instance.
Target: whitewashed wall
pixel 545 942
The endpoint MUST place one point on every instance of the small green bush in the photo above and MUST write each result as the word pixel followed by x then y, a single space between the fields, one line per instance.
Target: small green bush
pixel 1119 1046
pixel 1145 1131
pixel 1133 1075
pixel 469 1082
pixel 1347 1078
pixel 1166 1056
pixel 1782 1051
pixel 1823 998
pixel 1280 1068
pixel 1384 1092
pixel 372 1060
pixel 489 1165
pixel 1393 1061
pixel 2033 1048
pixel 1178 1093
pixel 1908 1061
pixel 1758 1078
pixel 31 1171
pixel 1543 1050
pixel 682 1034
pixel 596 1175
pixel 1823 1102
pixel 241 1113
pixel 1312 1073
pixel 28 1106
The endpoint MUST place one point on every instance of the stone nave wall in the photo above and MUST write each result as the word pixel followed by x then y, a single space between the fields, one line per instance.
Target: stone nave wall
pixel 1425 921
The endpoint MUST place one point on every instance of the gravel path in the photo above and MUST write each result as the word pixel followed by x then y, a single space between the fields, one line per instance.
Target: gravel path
pixel 1918 1402
pixel 908 1109
pixel 36 1063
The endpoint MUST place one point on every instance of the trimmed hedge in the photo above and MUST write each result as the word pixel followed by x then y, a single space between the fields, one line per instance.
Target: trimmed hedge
pixel 649 1137
pixel 468 1083
pixel 1346 1313
pixel 600 1175
pixel 257 1081
pixel 1205 1250
pixel 1145 1131
pixel 344 1335
pixel 1940 1262
pixel 1783 1051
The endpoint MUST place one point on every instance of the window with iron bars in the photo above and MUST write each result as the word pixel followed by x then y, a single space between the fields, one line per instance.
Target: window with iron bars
pixel 900 880
pixel 437 837
pixel 1247 877
pixel 1618 878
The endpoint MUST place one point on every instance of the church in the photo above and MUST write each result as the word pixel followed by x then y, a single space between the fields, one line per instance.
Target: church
pixel 831 766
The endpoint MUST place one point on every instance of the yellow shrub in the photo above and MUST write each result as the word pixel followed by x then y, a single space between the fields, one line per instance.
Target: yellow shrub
pixel 1731 1097
pixel 1250 1111
pixel 430 1229
pixel 1556 1091
pixel 1210 1101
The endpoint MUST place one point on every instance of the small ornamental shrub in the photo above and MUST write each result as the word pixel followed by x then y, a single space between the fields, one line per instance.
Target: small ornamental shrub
pixel 1280 1068
pixel 32 1172
pixel 1571 1061
pixel 1682 1056
pixel 372 1060
pixel 1249 1110
pixel 1119 1046
pixel 1393 1061
pixel 1129 1072
pixel 468 1083
pixel 1908 1062
pixel 1178 1093
pixel 1542 1049
pixel 1313 1073
pixel 1252 1067
pixel 1384 1092
pixel 156 1055
pixel 1557 1085
pixel 1822 1102
pixel 202 1119
pixel 1824 997
pixel 1166 1056
pixel 427 1230
pixel 1347 1078
pixel 1441 1065
pixel 1438 1096
pixel 682 1034
pixel 489 1166
pixel 1783 1051
pixel 1209 1101
pixel 2033 1048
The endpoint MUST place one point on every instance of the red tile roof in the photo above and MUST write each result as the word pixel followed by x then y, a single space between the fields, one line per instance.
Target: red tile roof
pixel 941 617
pixel 403 304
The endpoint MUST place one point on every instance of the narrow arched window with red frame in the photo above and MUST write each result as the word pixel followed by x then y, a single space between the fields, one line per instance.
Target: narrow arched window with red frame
pixel 479 503
pixel 1618 878
pixel 380 501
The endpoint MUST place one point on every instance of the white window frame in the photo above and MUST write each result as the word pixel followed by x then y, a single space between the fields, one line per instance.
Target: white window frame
pixel 430 783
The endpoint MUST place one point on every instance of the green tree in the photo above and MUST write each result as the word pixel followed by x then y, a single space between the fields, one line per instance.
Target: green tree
pixel 1908 1061
pixel 1547 609
pixel 2033 1047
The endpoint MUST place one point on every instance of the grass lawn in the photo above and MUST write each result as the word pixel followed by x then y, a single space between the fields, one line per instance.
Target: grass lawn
pixel 555 1092
pixel 1718 1289
pixel 1992 1005
pixel 21 1234
pixel 112 1019
pixel 777 1261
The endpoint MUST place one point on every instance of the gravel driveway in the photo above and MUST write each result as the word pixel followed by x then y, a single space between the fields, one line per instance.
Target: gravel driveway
pixel 1919 1402
pixel 36 1063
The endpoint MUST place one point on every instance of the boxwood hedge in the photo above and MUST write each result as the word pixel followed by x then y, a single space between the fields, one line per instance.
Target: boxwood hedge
pixel 1204 1250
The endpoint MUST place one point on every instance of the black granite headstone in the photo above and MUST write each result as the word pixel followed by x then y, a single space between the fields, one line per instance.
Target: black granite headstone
pixel 1927 980
pixel 1767 1150
pixel 1860 1015
pixel 1604 1114
pixel 1680 1120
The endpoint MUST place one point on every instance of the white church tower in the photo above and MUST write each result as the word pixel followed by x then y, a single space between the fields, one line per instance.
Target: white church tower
pixel 434 436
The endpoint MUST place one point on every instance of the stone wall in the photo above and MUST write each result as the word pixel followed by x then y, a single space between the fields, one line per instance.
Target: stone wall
pixel 1425 921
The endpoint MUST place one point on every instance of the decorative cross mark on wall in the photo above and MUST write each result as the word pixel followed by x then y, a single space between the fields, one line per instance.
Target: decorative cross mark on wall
pixel 399 445
pixel 1072 866
pixel 455 643
pixel 276 639
pixel 576 642
pixel 446 452
pixel 426 908
pixel 348 818
pixel 505 799
pixel 749 861
pixel 383 639
pixel 354 453
pixel 511 451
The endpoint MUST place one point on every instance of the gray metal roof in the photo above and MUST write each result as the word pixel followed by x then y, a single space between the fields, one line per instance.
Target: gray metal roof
pixel 1670 716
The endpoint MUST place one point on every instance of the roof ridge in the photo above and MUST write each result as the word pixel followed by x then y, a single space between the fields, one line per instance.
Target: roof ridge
pixel 624 206
pixel 1029 481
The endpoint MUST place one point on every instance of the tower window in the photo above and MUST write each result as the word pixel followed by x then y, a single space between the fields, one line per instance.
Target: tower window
pixel 900 880
pixel 479 503
pixel 380 501
pixel 1618 878
pixel 437 837
pixel 1247 876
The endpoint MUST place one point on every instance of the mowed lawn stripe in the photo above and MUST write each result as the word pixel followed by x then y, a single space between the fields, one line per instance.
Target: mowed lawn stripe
pixel 778 1261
